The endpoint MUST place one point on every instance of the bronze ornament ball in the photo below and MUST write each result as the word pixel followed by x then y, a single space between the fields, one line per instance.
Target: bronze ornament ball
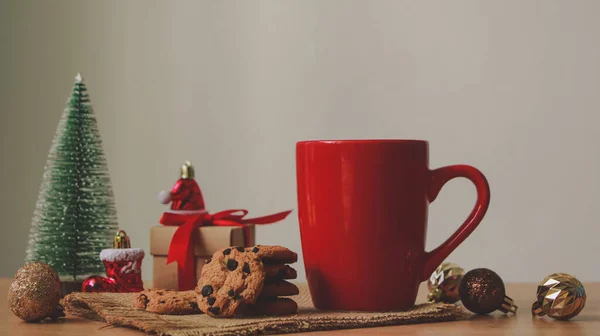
pixel 34 294
pixel 482 292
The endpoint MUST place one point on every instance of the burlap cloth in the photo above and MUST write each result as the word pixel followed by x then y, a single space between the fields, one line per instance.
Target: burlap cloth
pixel 116 309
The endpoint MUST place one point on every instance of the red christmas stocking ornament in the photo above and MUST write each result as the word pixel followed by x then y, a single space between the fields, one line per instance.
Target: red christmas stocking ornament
pixel 123 269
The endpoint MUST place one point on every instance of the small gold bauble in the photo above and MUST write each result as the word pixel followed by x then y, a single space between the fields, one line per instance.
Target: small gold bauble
pixel 444 282
pixel 560 296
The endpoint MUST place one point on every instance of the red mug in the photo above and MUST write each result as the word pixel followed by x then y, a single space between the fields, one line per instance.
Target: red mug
pixel 362 207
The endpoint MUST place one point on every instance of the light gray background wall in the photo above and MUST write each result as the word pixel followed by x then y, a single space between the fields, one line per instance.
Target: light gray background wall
pixel 511 87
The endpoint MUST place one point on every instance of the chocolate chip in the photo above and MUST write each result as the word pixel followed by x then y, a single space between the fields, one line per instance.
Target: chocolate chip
pixel 214 310
pixel 207 261
pixel 226 251
pixel 246 268
pixel 145 298
pixel 255 249
pixel 194 306
pixel 162 301
pixel 207 290
pixel 237 297
pixel 232 264
pixel 231 292
pixel 240 248
pixel 211 300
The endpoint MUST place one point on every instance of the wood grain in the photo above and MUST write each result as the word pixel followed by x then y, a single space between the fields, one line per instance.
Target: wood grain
pixel 587 323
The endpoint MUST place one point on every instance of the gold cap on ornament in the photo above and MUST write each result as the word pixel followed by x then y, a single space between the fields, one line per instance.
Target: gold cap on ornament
pixel 187 170
pixel 122 240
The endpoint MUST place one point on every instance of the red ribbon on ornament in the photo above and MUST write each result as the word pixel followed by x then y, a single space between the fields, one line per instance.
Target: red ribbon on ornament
pixel 181 249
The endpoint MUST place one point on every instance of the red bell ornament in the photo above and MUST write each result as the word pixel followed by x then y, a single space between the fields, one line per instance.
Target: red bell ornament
pixel 98 284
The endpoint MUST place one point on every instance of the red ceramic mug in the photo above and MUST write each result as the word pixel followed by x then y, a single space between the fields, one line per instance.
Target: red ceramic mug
pixel 362 207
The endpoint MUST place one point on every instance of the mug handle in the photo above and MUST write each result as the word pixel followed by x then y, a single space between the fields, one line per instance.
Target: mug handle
pixel 438 178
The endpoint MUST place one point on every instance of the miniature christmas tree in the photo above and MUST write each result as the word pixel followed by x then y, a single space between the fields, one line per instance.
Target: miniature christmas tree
pixel 75 215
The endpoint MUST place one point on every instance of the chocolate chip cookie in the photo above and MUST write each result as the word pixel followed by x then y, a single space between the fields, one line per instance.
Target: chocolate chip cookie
pixel 274 254
pixel 280 271
pixel 271 306
pixel 277 287
pixel 230 278
pixel 167 302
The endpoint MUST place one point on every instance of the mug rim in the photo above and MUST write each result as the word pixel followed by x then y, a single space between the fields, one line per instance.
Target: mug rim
pixel 363 141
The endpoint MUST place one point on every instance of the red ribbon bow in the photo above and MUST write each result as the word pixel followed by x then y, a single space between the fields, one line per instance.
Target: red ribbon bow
pixel 181 249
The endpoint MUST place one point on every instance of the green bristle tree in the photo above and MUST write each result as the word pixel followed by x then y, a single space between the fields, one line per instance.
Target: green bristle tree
pixel 75 215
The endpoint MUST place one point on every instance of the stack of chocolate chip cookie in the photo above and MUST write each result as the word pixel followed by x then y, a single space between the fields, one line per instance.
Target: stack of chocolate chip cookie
pixel 248 281
pixel 274 297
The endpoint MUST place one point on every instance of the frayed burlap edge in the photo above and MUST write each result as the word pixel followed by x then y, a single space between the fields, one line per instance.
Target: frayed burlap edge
pixel 116 309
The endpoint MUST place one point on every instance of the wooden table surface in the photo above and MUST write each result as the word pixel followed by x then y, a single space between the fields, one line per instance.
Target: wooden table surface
pixel 523 324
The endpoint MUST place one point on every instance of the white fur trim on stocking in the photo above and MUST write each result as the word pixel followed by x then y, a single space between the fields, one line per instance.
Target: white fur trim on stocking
pixel 128 254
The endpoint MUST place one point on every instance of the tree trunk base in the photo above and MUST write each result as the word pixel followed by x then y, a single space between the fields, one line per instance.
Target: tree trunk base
pixel 70 286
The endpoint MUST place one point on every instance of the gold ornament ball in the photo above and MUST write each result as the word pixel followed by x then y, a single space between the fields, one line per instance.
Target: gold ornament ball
pixel 34 294
pixel 444 282
pixel 560 296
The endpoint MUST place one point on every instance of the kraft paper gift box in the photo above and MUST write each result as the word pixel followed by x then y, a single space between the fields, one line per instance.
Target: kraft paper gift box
pixel 210 239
